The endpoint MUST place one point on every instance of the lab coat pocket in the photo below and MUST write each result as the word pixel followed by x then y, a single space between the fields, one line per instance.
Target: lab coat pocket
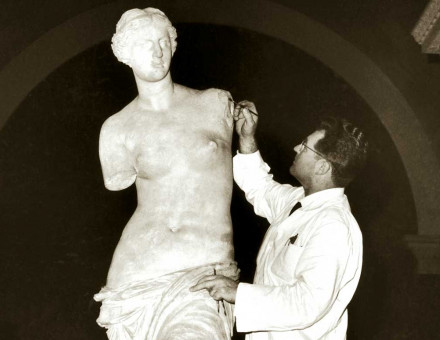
pixel 285 262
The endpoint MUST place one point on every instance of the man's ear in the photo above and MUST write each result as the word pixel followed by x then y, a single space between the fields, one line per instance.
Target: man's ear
pixel 323 167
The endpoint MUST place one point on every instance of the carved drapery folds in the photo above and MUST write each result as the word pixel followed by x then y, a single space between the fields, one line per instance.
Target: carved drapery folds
pixel 427 30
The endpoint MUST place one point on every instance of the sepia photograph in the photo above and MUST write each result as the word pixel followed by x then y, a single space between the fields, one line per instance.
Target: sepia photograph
pixel 219 169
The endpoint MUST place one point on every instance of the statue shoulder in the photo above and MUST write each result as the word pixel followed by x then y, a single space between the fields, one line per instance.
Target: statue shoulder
pixel 211 95
pixel 117 120
pixel 111 127
pixel 217 95
pixel 214 102
pixel 221 104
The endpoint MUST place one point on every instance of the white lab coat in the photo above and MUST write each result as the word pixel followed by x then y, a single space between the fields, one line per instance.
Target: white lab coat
pixel 300 290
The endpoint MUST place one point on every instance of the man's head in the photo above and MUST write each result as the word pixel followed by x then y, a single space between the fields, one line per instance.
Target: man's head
pixel 136 25
pixel 336 151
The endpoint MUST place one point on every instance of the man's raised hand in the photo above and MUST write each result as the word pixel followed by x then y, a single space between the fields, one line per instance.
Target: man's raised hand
pixel 246 118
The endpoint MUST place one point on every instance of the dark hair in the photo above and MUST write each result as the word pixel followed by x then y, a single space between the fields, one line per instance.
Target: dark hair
pixel 345 147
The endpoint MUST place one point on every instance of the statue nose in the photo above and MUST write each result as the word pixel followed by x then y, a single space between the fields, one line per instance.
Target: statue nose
pixel 158 51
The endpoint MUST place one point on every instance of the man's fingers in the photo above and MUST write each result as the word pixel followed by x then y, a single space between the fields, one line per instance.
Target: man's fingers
pixel 215 295
pixel 248 105
pixel 237 111
pixel 248 116
pixel 199 286
pixel 244 104
pixel 219 287
pixel 206 282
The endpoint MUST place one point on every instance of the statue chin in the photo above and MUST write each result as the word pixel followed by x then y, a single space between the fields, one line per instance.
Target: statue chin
pixel 151 76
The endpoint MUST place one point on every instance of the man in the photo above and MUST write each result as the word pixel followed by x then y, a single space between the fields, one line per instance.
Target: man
pixel 309 264
pixel 174 143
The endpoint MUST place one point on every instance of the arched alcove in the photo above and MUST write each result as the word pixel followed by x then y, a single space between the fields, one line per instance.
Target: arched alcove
pixel 94 26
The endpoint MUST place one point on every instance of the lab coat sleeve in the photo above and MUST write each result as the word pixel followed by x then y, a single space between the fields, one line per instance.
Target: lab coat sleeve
pixel 252 175
pixel 318 279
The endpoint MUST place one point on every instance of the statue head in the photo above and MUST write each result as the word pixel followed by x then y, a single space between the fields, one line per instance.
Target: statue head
pixel 134 20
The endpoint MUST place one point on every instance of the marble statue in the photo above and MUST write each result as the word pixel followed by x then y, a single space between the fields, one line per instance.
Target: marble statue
pixel 174 143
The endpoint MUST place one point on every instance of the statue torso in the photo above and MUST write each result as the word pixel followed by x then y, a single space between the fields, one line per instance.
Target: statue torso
pixel 183 165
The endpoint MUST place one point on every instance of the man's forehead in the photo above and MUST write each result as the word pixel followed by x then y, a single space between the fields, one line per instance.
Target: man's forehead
pixel 315 136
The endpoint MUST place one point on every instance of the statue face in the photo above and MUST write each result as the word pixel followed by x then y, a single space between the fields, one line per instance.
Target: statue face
pixel 151 52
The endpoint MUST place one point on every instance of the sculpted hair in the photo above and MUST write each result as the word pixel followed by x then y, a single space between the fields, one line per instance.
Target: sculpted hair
pixel 345 146
pixel 131 21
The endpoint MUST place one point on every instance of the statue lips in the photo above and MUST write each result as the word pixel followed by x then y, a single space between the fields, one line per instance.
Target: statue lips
pixel 157 64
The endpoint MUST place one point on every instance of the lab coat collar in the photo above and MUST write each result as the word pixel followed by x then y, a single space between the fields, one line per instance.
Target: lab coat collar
pixel 318 198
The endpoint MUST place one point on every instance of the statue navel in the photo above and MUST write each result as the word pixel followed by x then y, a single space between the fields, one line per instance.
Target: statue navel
pixel 173 228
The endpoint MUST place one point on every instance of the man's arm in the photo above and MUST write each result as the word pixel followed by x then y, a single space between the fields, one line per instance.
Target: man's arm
pixel 268 197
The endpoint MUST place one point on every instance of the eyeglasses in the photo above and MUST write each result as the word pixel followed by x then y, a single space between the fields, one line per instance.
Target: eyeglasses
pixel 304 145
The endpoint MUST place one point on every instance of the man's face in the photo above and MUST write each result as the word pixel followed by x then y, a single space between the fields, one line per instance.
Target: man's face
pixel 151 52
pixel 303 166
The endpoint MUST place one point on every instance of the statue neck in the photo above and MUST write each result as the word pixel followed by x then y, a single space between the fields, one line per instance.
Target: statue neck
pixel 155 95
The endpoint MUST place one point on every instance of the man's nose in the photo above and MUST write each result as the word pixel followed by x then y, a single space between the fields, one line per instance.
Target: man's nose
pixel 297 148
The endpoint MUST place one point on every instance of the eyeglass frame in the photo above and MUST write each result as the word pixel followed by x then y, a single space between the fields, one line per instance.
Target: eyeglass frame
pixel 304 145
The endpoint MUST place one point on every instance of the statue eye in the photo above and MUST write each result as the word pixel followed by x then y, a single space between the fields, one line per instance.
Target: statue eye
pixel 164 42
pixel 142 43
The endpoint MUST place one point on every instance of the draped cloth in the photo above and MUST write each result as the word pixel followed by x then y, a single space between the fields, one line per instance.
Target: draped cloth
pixel 163 308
